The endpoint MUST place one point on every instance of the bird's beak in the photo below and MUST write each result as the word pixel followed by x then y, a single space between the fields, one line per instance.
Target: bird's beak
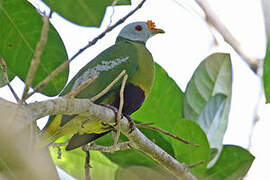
pixel 157 31
pixel 153 29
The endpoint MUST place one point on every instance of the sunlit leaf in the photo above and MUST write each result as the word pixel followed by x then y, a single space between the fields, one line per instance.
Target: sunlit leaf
pixel 233 163
pixel 19 33
pixel 208 96
pixel 83 12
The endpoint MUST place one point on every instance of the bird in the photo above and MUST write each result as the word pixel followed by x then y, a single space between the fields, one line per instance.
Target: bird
pixel 128 53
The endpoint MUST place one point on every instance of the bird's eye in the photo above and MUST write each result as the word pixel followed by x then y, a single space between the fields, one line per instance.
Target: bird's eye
pixel 138 28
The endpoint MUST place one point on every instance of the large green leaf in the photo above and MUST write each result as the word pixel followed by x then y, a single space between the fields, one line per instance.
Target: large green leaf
pixel 210 120
pixel 233 163
pixel 19 33
pixel 208 96
pixel 83 12
pixel 266 73
pixel 188 154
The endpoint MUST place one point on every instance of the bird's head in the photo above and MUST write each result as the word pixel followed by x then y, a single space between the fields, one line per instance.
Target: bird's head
pixel 140 31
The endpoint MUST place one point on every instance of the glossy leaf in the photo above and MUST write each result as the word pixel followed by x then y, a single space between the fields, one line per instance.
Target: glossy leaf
pixel 208 96
pixel 266 73
pixel 19 33
pixel 187 153
pixel 83 12
pixel 210 120
pixel 233 163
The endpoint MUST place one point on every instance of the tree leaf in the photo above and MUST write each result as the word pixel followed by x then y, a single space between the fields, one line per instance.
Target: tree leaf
pixel 73 163
pixel 83 12
pixel 189 154
pixel 19 33
pixel 233 163
pixel 266 73
pixel 210 120
pixel 208 96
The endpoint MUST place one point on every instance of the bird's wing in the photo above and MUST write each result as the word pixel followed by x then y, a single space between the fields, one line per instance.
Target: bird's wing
pixel 107 66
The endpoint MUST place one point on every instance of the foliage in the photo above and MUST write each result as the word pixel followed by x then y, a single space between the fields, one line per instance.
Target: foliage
pixel 19 33
pixel 199 115
pixel 208 96
pixel 83 12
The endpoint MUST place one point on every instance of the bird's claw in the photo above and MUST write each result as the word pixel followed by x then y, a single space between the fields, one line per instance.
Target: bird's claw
pixel 114 109
pixel 132 124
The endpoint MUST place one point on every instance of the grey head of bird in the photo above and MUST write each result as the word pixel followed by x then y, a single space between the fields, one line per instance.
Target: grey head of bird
pixel 139 31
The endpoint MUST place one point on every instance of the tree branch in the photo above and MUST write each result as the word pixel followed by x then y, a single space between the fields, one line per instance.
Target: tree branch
pixel 106 115
pixel 213 19
pixel 36 58
pixel 110 149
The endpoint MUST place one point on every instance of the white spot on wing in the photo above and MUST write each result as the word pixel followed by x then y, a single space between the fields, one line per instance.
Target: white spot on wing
pixel 95 71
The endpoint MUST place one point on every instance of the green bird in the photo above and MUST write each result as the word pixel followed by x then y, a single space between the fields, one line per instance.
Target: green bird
pixel 130 53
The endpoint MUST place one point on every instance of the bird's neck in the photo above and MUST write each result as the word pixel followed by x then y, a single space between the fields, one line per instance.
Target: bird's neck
pixel 122 39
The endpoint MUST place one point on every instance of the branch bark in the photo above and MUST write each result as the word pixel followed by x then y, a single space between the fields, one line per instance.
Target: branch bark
pixel 213 19
pixel 97 112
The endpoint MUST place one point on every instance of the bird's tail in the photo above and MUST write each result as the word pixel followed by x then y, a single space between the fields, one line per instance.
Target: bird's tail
pixel 50 133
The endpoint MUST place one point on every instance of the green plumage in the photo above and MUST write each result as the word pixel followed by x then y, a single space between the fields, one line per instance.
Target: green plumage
pixel 125 54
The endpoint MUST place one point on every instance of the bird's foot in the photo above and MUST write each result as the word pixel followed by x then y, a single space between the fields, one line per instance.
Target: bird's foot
pixel 132 124
pixel 114 109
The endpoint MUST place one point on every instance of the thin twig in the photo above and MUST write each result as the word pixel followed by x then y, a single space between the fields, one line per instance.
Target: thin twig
pixel 91 43
pixel 81 87
pixel 119 113
pixel 44 82
pixel 196 164
pixel 113 5
pixel 110 149
pixel 87 165
pixel 4 68
pixel 104 91
pixel 120 21
pixel 213 19
pixel 36 58
pixel 55 145
pixel 166 133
